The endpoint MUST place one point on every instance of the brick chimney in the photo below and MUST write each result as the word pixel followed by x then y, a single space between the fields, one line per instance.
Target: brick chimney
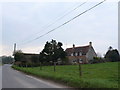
pixel 73 46
pixel 90 43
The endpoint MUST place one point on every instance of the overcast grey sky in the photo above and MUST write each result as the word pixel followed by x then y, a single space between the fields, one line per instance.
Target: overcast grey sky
pixel 24 21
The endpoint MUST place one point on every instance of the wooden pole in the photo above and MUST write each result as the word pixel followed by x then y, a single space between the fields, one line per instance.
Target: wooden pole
pixel 40 66
pixel 54 66
pixel 80 69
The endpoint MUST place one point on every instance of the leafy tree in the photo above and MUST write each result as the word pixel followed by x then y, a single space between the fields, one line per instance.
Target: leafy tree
pixel 52 52
pixel 19 57
pixel 57 52
pixel 7 60
pixel 112 55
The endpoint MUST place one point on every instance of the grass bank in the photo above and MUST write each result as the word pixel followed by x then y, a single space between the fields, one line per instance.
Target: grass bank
pixel 102 75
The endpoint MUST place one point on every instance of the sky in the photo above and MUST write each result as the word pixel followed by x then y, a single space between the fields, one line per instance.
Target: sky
pixel 24 21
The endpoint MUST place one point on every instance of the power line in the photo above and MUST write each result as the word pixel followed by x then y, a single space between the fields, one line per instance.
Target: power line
pixel 47 26
pixel 67 13
pixel 66 22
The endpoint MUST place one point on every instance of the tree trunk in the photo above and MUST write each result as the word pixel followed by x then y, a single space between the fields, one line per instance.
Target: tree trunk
pixel 80 69
pixel 40 66
pixel 54 66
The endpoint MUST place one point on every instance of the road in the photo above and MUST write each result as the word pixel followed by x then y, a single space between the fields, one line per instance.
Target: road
pixel 0 77
pixel 15 79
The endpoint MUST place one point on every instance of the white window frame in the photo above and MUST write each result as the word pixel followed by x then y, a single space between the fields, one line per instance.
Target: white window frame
pixel 76 54
pixel 80 54
pixel 71 54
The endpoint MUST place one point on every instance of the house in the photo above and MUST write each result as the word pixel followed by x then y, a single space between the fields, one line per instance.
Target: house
pixel 81 54
pixel 29 56
pixel 27 59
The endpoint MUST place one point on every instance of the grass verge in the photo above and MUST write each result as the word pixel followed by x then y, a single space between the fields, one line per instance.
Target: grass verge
pixel 102 75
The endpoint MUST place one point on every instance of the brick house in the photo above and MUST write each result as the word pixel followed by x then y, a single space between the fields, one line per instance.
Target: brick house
pixel 82 54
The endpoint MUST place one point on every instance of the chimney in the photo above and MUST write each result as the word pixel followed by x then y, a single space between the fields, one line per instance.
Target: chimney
pixel 73 45
pixel 90 43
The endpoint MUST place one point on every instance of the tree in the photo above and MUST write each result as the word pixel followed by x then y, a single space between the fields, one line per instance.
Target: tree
pixel 52 52
pixel 57 52
pixel 7 60
pixel 19 57
pixel 112 55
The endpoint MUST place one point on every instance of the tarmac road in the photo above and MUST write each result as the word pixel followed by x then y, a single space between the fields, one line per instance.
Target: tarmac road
pixel 0 77
pixel 15 79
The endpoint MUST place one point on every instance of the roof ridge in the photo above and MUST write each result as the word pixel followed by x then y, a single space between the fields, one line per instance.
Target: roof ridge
pixel 78 47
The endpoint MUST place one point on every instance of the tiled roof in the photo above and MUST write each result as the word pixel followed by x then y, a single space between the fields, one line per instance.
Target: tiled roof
pixel 82 49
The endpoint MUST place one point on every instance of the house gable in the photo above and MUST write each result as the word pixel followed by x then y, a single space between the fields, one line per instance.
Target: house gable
pixel 91 54
pixel 84 53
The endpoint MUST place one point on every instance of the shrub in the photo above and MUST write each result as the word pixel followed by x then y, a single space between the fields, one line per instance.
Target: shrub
pixel 97 60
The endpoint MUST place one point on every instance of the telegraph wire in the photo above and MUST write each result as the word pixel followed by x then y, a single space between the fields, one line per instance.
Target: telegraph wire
pixel 49 25
pixel 67 13
pixel 66 22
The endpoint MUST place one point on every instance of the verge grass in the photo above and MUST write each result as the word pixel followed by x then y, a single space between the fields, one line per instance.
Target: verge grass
pixel 102 75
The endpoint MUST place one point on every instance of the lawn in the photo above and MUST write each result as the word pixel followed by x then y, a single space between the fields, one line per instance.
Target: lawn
pixel 102 75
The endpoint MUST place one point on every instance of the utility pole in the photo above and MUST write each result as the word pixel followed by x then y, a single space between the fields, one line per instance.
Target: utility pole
pixel 14 49
pixel 14 52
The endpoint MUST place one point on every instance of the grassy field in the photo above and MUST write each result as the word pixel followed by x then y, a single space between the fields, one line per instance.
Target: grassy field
pixel 102 75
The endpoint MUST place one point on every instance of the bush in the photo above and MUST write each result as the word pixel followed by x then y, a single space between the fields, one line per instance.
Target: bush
pixel 97 60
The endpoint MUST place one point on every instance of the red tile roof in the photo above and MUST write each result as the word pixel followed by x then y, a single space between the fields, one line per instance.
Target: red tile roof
pixel 82 49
